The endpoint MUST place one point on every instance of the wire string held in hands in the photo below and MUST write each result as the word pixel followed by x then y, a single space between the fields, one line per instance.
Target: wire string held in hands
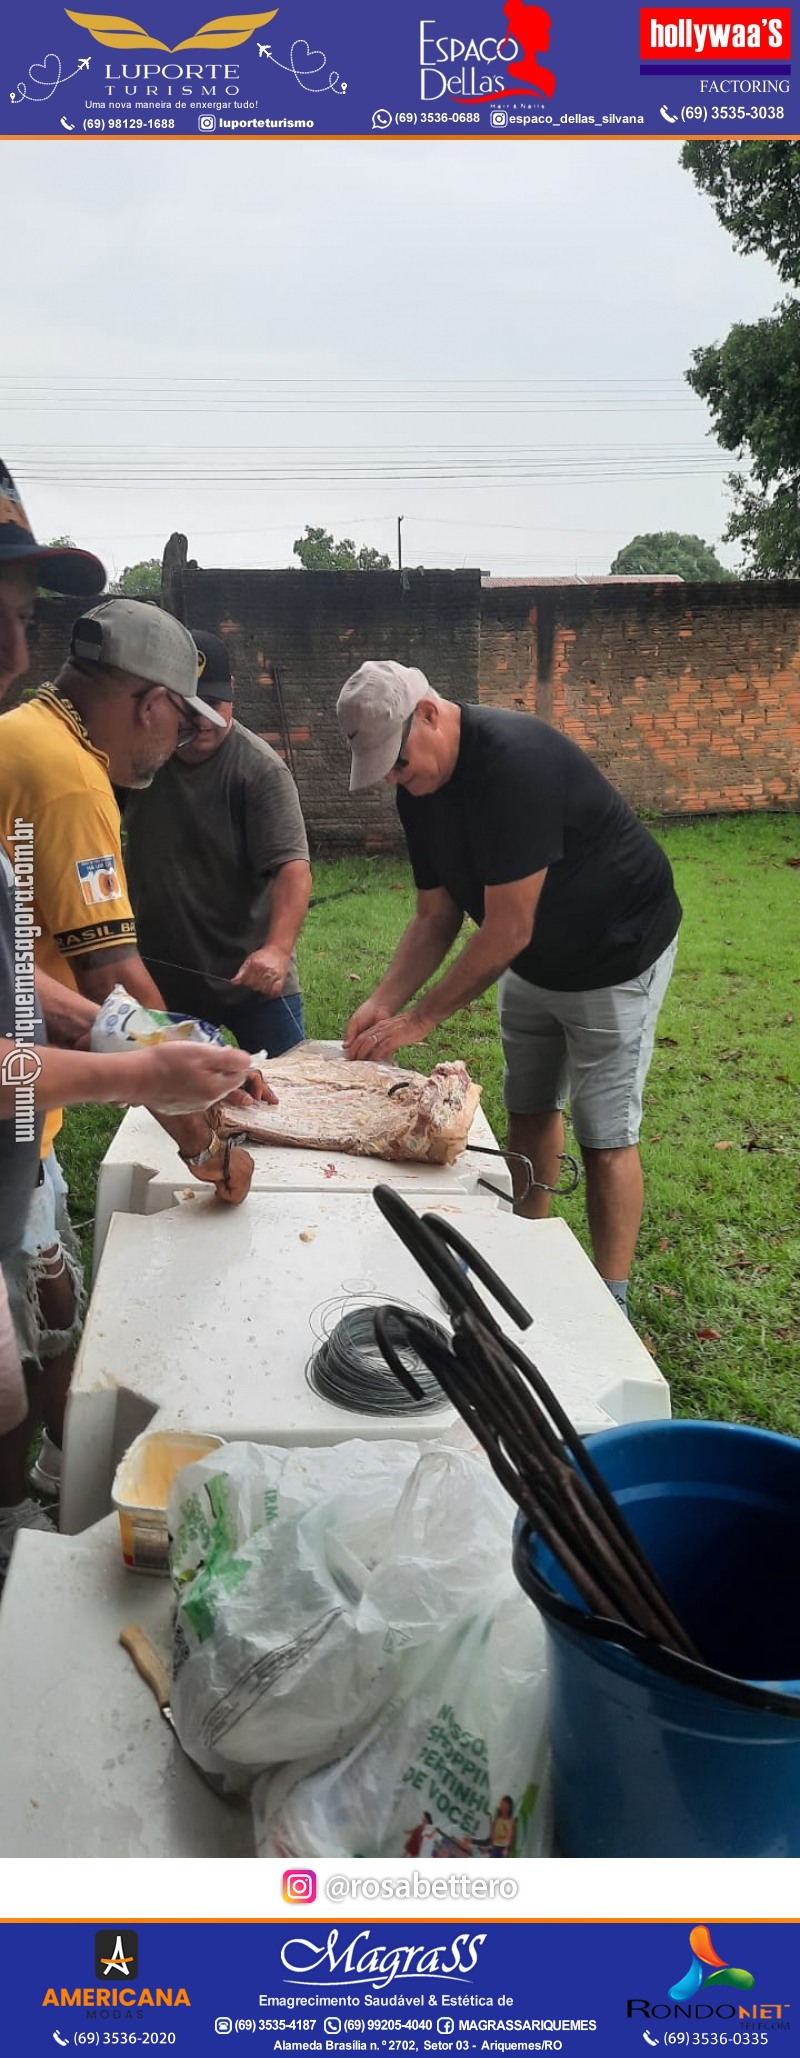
pixel 349 1368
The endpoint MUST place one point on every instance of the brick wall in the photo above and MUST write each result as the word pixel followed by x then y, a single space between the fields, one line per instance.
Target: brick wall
pixel 316 628
pixel 688 697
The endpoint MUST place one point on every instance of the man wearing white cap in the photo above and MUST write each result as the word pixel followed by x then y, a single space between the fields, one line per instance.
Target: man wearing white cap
pixel 506 820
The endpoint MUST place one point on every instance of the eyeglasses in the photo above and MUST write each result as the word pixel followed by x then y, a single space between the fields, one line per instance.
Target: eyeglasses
pixel 401 760
pixel 185 714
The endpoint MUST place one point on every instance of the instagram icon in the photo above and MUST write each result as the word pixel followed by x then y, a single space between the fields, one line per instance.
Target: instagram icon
pixel 299 1886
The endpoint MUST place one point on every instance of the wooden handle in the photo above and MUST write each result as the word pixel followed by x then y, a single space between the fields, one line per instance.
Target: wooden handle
pixel 147 1662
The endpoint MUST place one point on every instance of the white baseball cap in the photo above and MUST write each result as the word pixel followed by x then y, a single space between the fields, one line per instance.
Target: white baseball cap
pixel 372 707
pixel 139 637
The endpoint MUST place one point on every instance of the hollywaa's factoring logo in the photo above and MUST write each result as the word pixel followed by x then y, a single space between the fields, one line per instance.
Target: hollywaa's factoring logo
pixel 225 33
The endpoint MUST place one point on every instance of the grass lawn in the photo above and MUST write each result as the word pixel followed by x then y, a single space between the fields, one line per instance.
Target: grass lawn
pixel 716 1287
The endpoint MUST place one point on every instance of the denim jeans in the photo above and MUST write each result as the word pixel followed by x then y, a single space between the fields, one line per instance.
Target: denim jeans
pixel 262 1024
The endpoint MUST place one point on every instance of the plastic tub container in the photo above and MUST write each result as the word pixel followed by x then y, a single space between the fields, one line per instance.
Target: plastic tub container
pixel 140 1492
pixel 654 1756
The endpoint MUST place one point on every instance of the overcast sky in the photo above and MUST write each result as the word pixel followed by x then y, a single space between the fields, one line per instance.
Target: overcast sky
pixel 514 320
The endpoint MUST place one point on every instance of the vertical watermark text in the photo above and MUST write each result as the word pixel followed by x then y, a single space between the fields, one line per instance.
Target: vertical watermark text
pixel 21 1066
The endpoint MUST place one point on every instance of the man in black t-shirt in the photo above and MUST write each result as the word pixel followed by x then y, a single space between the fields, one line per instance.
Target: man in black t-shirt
pixel 507 821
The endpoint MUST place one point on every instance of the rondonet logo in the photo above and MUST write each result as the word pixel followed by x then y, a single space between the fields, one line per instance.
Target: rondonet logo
pixel 708 1971
pixel 366 1964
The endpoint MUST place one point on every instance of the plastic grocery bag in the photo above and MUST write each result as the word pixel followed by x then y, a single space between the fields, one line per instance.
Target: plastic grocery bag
pixel 123 1024
pixel 458 1768
pixel 349 1627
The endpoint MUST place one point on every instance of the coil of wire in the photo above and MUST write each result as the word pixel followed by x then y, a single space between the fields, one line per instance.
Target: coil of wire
pixel 349 1370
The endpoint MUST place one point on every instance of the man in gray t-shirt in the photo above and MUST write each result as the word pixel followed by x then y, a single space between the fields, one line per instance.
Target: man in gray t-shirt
pixel 217 865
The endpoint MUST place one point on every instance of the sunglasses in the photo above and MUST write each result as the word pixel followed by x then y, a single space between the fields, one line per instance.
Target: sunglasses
pixel 401 760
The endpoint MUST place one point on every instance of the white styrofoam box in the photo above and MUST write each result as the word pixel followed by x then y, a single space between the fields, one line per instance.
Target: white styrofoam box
pixel 142 1173
pixel 206 1318
pixel 89 1768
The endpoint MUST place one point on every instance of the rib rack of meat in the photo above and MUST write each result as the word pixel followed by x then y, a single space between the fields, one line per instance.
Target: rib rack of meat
pixel 372 1111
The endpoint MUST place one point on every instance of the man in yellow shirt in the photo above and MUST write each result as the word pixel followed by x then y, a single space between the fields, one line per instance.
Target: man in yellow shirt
pixel 119 708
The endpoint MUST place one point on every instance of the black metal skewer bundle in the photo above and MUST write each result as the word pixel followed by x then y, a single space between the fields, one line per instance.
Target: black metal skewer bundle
pixel 532 1445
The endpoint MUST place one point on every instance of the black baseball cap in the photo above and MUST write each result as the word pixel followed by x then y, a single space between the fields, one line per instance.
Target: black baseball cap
pixel 214 680
pixel 62 570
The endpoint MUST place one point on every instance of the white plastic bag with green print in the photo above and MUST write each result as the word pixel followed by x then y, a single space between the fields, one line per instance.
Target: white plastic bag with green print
pixel 349 1615
pixel 457 1769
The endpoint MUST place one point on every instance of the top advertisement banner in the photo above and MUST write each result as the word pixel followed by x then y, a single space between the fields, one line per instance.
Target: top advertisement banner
pixel 307 70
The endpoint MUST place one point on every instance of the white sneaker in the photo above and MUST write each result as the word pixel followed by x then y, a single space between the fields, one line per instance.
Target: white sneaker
pixel 45 1472
pixel 24 1515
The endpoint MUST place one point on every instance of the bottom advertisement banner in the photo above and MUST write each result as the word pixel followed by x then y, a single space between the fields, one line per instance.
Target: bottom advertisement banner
pixel 381 1987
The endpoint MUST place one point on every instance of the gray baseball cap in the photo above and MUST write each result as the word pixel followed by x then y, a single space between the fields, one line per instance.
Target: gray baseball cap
pixel 138 637
pixel 372 707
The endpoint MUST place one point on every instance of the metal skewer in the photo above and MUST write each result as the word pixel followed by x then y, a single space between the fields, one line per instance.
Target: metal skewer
pixel 529 1439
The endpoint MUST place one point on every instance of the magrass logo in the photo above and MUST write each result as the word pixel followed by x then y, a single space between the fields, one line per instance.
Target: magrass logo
pixel 699 1976
pixel 116 1954
pixel 117 33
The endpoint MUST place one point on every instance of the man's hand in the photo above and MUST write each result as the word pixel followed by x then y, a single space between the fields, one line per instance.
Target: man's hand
pixel 264 971
pixel 235 1186
pixel 68 1015
pixel 370 1013
pixel 253 1090
pixel 388 1034
pixel 181 1078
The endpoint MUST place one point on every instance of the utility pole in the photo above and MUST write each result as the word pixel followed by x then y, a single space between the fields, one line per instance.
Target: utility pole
pixel 400 520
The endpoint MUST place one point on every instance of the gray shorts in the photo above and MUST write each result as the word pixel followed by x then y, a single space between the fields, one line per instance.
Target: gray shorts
pixel 591 1049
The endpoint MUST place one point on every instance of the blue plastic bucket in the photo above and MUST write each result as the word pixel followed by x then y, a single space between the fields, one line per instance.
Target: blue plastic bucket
pixel 654 1756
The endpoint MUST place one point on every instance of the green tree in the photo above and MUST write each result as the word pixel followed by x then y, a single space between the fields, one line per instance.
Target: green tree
pixel 139 582
pixel 667 551
pixel 752 381
pixel 318 552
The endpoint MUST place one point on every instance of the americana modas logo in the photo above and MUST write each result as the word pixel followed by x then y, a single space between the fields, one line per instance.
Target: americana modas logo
pixel 116 1954
pixel 117 33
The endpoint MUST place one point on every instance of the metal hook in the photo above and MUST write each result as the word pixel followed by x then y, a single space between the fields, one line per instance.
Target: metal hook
pixel 517 1158
pixel 431 1240
pixel 575 1171
pixel 452 1237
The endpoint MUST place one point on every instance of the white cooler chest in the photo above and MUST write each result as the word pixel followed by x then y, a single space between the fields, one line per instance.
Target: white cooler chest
pixel 142 1172
pixel 206 1318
